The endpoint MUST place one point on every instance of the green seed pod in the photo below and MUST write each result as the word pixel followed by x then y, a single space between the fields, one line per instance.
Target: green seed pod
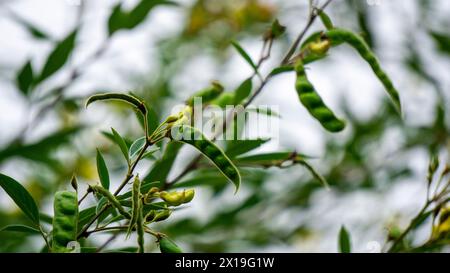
pixel 339 36
pixel 112 200
pixel 162 215
pixel 136 204
pixel 65 220
pixel 188 195
pixel 140 231
pixel 172 198
pixel 320 48
pixel 213 153
pixel 208 94
pixel 314 103
pixel 166 245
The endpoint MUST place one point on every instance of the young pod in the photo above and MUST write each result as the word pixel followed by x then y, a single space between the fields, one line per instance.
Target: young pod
pixel 65 220
pixel 314 103
pixel 338 36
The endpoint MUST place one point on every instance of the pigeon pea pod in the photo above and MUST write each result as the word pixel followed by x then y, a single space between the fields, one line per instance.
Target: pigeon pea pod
pixel 339 36
pixel 64 221
pixel 112 200
pixel 166 245
pixel 314 103
pixel 192 136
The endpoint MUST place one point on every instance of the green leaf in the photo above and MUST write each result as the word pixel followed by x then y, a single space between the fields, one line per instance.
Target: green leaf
pixel 21 228
pixel 120 19
pixel 201 180
pixel 122 144
pixel 442 41
pixel 118 96
pixel 243 91
pixel 85 216
pixel 32 29
pixel 280 70
pixel 137 146
pixel 102 170
pixel 239 147
pixel 244 55
pixel 344 241
pixel 58 57
pixel 21 197
pixel 145 187
pixel 161 168
pixel 263 110
pixel 24 78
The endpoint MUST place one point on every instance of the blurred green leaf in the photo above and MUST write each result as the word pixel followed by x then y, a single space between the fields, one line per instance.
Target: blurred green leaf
pixel 24 78
pixel 21 197
pixel 243 91
pixel 102 170
pixel 344 241
pixel 120 19
pixel 442 41
pixel 280 70
pixel 263 110
pixel 21 228
pixel 32 29
pixel 161 168
pixel 58 57
pixel 239 147
pixel 244 55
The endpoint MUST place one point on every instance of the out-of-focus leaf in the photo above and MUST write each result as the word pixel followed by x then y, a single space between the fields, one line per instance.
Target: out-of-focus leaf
pixel 32 29
pixel 280 70
pixel 121 143
pixel 244 55
pixel 263 110
pixel 102 170
pixel 24 78
pixel 160 170
pixel 20 228
pixel 442 41
pixel 344 241
pixel 137 146
pixel 58 57
pixel 202 180
pixel 21 197
pixel 121 19
pixel 85 216
pixel 243 91
pixel 239 147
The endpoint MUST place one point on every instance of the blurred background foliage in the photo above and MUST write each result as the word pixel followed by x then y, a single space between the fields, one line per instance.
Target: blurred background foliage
pixel 277 209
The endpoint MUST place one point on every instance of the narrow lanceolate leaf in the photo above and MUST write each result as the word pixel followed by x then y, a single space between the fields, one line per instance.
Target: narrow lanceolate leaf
pixel 21 197
pixel 118 96
pixel 344 241
pixel 194 137
pixel 326 20
pixel 24 78
pixel 281 70
pixel 137 146
pixel 243 91
pixel 166 245
pixel 58 57
pixel 20 228
pixel 102 170
pixel 244 55
pixel 122 144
